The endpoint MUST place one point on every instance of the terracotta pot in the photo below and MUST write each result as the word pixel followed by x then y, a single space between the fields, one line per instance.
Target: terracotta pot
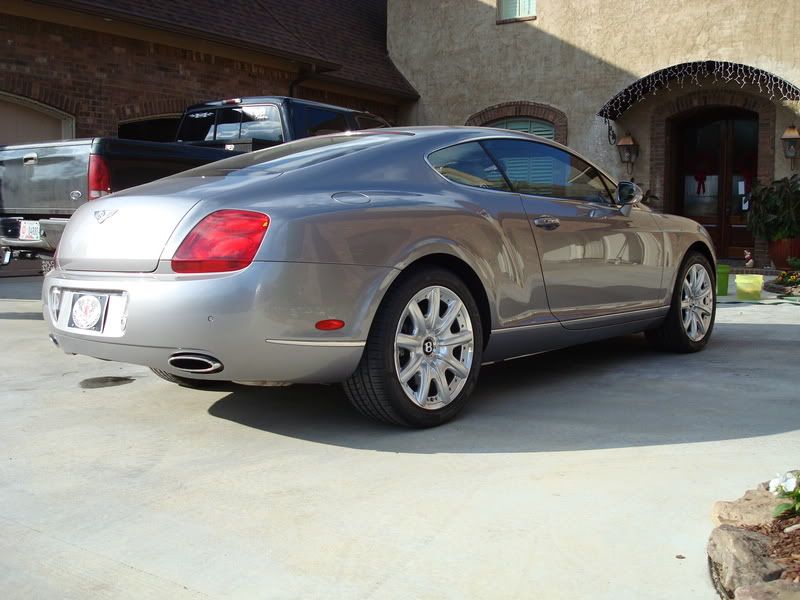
pixel 780 250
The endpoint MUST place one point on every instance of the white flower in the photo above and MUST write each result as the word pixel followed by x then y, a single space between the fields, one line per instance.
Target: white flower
pixel 784 483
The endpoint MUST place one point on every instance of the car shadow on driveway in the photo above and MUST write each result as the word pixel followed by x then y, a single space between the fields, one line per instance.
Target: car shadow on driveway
pixel 610 394
pixel 19 287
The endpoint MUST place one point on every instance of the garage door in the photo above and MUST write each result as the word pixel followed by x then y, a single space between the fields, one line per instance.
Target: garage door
pixel 21 124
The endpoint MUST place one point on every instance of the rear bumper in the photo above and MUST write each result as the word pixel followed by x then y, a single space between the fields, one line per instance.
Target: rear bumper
pixel 17 244
pixel 281 362
pixel 259 322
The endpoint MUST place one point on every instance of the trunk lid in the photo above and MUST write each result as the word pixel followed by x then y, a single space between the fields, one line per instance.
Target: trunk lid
pixel 125 233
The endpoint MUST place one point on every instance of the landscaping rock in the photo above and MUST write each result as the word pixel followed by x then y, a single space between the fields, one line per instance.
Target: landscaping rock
pixel 741 557
pixel 772 590
pixel 752 509
pixel 792 528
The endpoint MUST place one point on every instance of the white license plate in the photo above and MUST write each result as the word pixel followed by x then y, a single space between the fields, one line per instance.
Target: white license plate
pixel 30 231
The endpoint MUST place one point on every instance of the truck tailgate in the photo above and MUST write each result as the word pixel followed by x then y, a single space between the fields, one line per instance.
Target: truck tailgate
pixel 41 179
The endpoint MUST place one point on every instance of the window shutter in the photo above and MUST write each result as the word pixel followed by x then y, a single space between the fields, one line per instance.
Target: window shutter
pixel 543 129
pixel 513 9
pixel 508 9
pixel 535 169
pixel 527 8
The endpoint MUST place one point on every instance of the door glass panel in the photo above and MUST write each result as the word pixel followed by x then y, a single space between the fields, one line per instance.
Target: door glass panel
pixel 543 170
pixel 745 162
pixel 701 170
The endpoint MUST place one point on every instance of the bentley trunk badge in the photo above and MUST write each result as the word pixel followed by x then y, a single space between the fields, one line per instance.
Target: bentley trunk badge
pixel 104 215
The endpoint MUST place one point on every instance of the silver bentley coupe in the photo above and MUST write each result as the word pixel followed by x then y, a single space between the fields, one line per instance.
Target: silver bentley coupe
pixel 396 261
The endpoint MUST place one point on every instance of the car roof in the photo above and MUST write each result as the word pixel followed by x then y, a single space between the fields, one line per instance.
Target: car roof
pixel 271 100
pixel 440 136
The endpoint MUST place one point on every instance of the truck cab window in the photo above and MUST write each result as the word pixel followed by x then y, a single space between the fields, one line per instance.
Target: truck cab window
pixel 310 121
pixel 262 122
pixel 197 126
pixel 369 122
pixel 228 121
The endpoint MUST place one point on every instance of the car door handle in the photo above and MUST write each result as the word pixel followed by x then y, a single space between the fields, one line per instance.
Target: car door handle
pixel 547 222
pixel 30 159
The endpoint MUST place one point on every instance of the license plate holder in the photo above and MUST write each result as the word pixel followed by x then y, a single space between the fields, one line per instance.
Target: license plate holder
pixel 30 231
pixel 87 311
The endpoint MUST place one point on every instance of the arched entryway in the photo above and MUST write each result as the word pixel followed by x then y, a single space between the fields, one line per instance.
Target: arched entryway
pixel 721 141
pixel 730 103
pixel 713 168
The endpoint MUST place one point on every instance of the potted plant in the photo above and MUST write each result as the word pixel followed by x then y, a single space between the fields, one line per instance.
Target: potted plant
pixel 774 215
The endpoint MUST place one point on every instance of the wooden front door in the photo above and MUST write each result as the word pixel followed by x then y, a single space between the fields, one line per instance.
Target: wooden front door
pixel 717 157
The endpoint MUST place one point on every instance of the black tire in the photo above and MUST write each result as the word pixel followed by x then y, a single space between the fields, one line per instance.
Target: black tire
pixel 197 384
pixel 671 336
pixel 374 389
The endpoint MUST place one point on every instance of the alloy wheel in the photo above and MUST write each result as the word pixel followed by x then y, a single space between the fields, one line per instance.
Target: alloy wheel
pixel 433 347
pixel 697 302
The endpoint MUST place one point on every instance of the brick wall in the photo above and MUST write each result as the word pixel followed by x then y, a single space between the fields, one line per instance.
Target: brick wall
pixel 101 79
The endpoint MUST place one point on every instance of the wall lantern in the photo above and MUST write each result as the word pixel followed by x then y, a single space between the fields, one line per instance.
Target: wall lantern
pixel 791 144
pixel 628 151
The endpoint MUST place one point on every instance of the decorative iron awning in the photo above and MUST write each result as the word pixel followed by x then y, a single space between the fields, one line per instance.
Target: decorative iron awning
pixel 697 73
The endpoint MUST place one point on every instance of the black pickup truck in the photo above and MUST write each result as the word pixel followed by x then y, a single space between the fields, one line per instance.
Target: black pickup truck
pixel 42 184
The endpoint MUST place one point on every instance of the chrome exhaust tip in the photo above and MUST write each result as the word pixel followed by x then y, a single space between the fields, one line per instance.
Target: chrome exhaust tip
pixel 195 363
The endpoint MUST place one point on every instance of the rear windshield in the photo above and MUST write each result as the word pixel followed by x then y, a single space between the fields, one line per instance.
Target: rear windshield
pixel 294 155
pixel 229 124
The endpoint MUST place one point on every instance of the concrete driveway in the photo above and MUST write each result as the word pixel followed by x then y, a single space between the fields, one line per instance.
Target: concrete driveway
pixel 579 474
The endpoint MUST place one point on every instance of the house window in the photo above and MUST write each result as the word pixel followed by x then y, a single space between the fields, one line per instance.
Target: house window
pixel 544 129
pixel 515 10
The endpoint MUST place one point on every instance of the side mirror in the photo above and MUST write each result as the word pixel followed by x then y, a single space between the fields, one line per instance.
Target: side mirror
pixel 628 195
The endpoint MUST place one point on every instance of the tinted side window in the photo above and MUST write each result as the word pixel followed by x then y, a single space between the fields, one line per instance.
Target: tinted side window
pixel 542 170
pixel 468 164
pixel 369 122
pixel 310 121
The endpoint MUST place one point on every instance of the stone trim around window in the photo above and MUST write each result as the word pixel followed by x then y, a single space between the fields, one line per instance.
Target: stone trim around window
pixel 523 108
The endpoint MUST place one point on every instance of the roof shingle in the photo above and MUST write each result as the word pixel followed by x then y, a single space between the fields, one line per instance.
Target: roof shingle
pixel 344 38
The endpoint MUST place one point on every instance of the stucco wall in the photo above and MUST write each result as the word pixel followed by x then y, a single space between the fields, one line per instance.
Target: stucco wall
pixel 578 53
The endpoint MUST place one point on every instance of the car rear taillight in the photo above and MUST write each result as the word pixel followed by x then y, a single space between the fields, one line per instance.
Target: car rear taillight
pixel 99 179
pixel 225 240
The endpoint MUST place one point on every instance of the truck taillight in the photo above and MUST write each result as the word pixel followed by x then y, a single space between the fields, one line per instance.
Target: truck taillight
pixel 225 240
pixel 99 179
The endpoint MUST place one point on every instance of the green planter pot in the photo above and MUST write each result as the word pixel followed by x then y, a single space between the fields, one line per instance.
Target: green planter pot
pixel 723 272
